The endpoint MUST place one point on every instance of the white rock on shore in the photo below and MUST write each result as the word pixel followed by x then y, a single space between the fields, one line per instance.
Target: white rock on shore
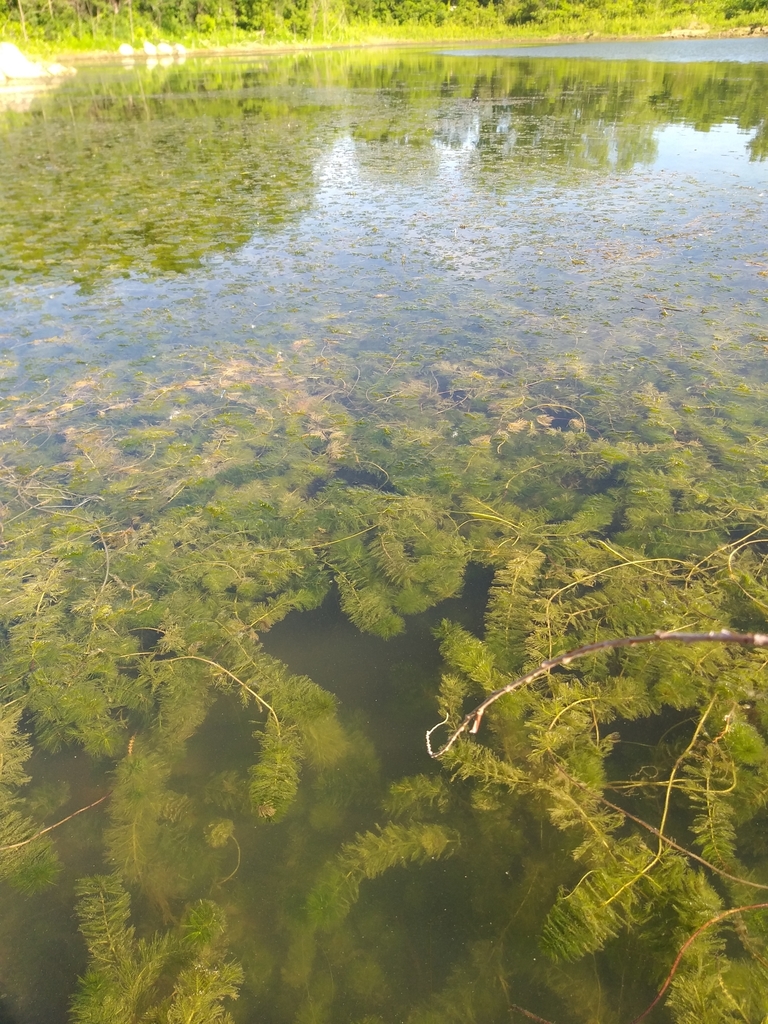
pixel 14 66
pixel 152 50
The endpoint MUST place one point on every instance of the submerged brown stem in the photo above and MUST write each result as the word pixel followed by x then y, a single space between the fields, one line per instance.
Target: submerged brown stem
pixel 231 675
pixel 692 938
pixel 527 1013
pixel 237 866
pixel 664 839
pixel 673 970
pixel 42 832
pixel 471 722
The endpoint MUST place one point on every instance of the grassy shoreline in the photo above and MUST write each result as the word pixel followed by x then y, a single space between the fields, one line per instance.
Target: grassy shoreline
pixel 93 50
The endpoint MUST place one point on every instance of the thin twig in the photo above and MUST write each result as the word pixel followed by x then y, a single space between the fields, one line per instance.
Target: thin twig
pixel 528 1014
pixel 106 558
pixel 667 800
pixel 687 943
pixel 237 866
pixel 69 817
pixel 658 834
pixel 231 675
pixel 471 722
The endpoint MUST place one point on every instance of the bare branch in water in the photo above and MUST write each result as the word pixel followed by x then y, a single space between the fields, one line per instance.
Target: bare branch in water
pixel 527 1013
pixel 42 832
pixel 471 722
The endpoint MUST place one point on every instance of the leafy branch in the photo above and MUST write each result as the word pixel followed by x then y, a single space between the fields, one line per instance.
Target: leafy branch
pixel 660 835
pixel 689 941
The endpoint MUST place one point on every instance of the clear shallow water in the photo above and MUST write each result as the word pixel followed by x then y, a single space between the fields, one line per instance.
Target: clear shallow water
pixel 665 51
pixel 173 241
pixel 190 204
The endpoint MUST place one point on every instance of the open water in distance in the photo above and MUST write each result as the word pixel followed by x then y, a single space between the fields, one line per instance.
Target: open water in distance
pixel 395 208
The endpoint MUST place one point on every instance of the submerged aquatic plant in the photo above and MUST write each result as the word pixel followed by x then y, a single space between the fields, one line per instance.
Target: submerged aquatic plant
pixel 602 902
pixel 614 808
pixel 179 976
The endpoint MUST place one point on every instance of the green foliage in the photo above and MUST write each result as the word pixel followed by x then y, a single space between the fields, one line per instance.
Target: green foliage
pixel 219 832
pixel 711 989
pixel 554 740
pixel 275 779
pixel 172 977
pixel 603 902
pixel 412 795
pixel 370 856
pixel 29 863
pixel 240 21
pixel 134 609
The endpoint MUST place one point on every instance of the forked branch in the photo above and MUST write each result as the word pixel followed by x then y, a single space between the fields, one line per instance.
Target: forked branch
pixel 471 723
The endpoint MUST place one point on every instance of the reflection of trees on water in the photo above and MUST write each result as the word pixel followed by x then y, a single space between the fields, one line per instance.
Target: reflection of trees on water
pixel 565 114
pixel 153 171
pixel 505 136
pixel 132 180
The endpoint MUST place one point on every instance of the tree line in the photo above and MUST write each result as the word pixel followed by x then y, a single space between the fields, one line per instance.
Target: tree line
pixel 91 23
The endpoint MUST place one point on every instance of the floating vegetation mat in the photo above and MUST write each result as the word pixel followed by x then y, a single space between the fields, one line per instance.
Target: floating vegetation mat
pixel 198 820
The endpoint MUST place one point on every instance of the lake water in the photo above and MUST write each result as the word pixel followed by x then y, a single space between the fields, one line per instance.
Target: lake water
pixel 665 51
pixel 299 356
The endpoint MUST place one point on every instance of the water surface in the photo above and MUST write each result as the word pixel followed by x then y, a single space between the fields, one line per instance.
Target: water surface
pixel 665 51
pixel 214 275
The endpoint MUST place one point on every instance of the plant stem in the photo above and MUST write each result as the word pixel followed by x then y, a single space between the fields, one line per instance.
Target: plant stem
pixel 692 938
pixel 42 832
pixel 23 21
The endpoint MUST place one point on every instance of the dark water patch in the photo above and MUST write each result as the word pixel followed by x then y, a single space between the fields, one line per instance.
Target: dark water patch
pixel 354 476
pixel 388 684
